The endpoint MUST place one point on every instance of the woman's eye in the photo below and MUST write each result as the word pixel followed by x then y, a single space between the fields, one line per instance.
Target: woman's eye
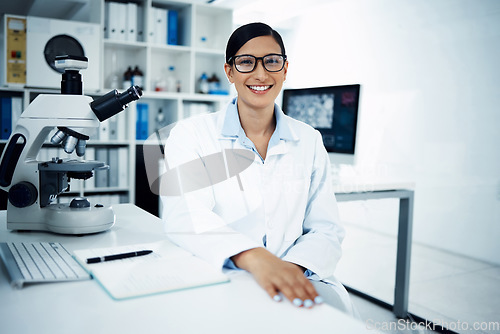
pixel 246 62
pixel 274 60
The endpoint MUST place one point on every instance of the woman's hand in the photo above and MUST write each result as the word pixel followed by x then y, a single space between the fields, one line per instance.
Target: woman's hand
pixel 277 276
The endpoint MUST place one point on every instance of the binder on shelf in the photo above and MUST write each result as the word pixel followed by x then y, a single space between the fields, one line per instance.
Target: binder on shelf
pixel 93 199
pixel 122 21
pixel 110 199
pixel 112 20
pixel 123 167
pixel 151 21
pixel 114 199
pixel 106 200
pixel 113 167
pixel 113 128
pixel 6 118
pixel 141 33
pixel 17 109
pixel 101 176
pixel 173 23
pixel 160 25
pixel 90 155
pixel 131 21
pixel 104 130
pixel 142 121
pixel 116 21
pixel 10 111
pixel 106 20
pixel 121 124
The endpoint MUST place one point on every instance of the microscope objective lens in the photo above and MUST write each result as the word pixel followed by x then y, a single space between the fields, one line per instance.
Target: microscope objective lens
pixel 70 144
pixel 80 147
pixel 58 137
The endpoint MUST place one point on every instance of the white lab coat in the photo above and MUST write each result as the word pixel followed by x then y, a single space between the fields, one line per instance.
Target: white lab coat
pixel 284 203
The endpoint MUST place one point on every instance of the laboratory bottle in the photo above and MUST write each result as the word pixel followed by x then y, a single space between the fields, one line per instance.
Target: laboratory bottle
pixel 160 119
pixel 137 77
pixel 203 84
pixel 161 83
pixel 213 84
pixel 171 80
pixel 127 78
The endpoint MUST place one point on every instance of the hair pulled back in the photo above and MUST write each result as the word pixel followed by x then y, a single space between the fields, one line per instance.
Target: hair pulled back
pixel 248 31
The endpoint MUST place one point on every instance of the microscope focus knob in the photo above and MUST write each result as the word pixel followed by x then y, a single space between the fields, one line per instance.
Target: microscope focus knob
pixel 22 194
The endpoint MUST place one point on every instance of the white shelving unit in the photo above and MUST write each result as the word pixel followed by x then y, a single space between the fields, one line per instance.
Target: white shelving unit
pixel 203 30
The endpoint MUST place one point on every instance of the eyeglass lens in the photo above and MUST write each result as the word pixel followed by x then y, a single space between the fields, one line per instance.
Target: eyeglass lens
pixel 247 63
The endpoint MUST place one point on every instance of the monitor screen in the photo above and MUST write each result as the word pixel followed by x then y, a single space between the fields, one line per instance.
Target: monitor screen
pixel 333 111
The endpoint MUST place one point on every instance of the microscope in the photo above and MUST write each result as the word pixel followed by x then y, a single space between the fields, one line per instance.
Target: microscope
pixel 32 185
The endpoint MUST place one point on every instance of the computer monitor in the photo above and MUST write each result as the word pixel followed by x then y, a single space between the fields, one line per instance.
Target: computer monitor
pixel 333 111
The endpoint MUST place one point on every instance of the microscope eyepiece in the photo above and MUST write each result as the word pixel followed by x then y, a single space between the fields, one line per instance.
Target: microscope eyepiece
pixel 131 94
pixel 113 102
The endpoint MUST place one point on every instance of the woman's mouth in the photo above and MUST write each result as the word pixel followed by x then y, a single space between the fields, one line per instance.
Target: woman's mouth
pixel 259 89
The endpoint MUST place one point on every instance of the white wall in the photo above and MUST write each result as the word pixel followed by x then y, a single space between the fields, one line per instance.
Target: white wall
pixel 430 104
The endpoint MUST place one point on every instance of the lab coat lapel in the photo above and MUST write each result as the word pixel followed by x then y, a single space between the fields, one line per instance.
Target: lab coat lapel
pixel 281 148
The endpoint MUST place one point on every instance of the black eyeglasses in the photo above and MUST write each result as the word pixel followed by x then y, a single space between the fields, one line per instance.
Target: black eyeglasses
pixel 247 63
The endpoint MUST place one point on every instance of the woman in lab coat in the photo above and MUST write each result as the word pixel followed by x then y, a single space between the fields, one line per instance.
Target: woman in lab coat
pixel 263 201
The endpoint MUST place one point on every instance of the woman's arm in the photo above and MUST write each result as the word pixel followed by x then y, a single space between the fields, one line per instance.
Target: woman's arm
pixel 319 247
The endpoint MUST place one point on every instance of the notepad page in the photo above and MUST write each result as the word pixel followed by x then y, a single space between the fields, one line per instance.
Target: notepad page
pixel 168 268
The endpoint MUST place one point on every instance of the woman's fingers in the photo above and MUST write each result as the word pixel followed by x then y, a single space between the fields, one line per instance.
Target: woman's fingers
pixel 272 292
pixel 289 281
pixel 300 291
pixel 277 277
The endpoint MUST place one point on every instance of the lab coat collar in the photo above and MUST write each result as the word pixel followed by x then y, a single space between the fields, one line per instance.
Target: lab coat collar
pixel 283 126
pixel 230 126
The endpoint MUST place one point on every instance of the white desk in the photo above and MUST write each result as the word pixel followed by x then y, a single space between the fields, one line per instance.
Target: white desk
pixel 357 189
pixel 240 306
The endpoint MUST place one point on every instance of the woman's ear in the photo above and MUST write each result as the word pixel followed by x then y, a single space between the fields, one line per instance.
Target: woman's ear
pixel 229 72
pixel 285 70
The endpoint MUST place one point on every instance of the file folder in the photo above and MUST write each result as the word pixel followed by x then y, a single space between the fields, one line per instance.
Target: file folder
pixel 6 120
pixel 131 35
pixel 172 33
pixel 142 121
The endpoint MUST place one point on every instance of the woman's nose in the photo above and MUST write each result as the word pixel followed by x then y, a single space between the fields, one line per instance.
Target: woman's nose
pixel 260 71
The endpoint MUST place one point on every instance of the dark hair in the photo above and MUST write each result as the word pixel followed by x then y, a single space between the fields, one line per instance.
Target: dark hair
pixel 248 31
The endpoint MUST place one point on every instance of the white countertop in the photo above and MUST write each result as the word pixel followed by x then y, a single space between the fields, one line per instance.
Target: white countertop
pixel 240 306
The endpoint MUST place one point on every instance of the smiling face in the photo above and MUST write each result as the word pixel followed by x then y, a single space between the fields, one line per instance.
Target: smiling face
pixel 258 89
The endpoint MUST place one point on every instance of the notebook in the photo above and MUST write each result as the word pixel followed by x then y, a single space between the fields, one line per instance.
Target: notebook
pixel 167 268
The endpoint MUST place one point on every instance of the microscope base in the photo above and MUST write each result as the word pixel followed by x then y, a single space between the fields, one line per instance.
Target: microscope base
pixel 61 219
